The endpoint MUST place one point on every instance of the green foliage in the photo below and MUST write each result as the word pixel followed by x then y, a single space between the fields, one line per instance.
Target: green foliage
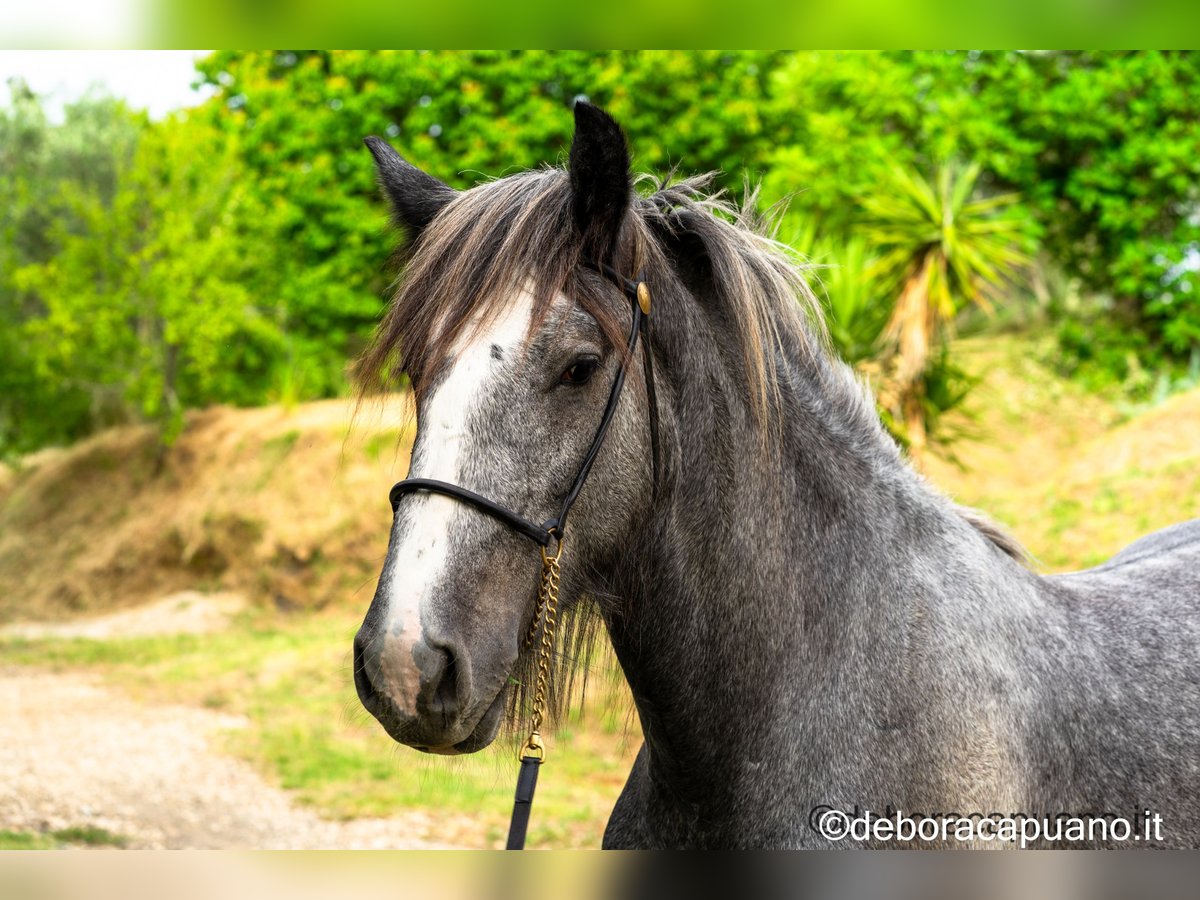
pixel 942 247
pixel 1100 146
pixel 856 307
pixel 972 245
pixel 462 116
pixel 840 272
pixel 238 254
pixel 44 165
pixel 148 288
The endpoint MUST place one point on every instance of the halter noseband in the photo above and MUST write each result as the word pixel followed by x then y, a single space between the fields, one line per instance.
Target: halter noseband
pixel 639 294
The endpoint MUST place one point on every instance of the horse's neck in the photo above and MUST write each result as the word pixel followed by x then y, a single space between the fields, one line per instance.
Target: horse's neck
pixel 761 574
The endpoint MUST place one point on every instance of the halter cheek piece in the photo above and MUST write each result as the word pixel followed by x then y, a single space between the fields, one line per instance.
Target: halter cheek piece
pixel 545 610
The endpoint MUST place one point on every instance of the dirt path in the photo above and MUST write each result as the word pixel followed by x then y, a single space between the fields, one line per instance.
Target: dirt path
pixel 185 612
pixel 76 753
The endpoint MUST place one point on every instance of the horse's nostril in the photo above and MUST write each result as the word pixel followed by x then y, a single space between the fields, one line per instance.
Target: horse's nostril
pixel 446 696
pixel 439 678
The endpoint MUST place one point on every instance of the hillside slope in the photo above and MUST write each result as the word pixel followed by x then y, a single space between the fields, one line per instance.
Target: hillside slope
pixel 1071 476
pixel 286 506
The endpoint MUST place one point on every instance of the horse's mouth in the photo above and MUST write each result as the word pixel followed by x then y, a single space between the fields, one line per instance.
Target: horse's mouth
pixel 481 735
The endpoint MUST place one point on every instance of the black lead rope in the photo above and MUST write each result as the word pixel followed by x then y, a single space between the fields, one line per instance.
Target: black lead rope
pixel 533 753
pixel 523 802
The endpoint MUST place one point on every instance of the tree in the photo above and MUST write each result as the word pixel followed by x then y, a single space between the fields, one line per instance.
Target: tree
pixel 1101 147
pixel 462 116
pixel 143 299
pixel 941 247
pixel 44 165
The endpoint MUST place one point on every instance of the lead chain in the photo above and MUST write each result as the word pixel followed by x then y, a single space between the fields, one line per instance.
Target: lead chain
pixel 546 612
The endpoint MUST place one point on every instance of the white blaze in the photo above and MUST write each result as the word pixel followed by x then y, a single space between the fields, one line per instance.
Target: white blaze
pixel 422 554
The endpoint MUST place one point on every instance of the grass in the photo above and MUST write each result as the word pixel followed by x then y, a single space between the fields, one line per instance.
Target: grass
pixel 26 840
pixel 78 835
pixel 89 835
pixel 309 734
pixel 382 442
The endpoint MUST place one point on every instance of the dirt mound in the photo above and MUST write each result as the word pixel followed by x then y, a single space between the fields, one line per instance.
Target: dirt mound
pixel 1165 436
pixel 288 507
pixel 283 506
pixel 1068 473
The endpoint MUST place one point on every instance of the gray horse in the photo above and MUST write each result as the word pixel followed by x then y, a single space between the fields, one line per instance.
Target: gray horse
pixel 807 627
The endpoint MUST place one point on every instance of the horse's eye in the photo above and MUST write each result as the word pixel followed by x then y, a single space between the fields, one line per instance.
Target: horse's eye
pixel 579 371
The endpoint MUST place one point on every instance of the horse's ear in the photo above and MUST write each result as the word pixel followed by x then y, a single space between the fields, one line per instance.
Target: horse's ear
pixel 600 180
pixel 415 198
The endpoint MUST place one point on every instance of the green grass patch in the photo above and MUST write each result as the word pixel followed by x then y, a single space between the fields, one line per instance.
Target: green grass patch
pixel 26 840
pixel 89 835
pixel 388 440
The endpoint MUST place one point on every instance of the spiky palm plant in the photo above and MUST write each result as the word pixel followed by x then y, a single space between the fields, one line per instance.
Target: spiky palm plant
pixel 839 271
pixel 940 247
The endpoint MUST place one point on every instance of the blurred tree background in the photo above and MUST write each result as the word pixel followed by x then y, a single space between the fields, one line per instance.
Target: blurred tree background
pixel 236 252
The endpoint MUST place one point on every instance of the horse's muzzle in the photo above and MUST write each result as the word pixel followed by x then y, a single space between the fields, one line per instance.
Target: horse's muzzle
pixel 421 695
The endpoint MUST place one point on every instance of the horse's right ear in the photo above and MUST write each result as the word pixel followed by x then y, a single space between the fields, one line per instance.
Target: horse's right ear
pixel 415 198
pixel 600 180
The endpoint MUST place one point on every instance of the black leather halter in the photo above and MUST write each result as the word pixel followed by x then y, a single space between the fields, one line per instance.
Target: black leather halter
pixel 552 529
pixel 639 294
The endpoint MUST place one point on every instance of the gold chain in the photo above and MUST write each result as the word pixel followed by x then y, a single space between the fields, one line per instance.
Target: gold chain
pixel 546 612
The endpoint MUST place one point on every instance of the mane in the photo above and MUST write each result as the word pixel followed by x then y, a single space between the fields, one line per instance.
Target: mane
pixel 518 231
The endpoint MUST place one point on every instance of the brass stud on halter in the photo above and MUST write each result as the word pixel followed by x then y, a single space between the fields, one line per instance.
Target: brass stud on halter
pixel 643 297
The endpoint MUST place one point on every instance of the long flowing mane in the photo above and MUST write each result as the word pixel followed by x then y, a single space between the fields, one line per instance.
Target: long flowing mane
pixel 515 231
pixel 518 231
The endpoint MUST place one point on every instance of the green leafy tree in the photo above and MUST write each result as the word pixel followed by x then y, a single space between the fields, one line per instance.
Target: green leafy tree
pixel 462 116
pixel 44 164
pixel 1101 147
pixel 146 294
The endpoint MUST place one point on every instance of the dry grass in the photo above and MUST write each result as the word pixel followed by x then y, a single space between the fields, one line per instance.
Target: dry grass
pixel 286 507
pixel 1064 470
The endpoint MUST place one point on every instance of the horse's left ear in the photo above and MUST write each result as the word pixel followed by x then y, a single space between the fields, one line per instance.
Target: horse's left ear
pixel 415 197
pixel 600 179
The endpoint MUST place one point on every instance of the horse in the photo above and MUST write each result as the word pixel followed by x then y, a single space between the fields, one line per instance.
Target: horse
pixel 805 624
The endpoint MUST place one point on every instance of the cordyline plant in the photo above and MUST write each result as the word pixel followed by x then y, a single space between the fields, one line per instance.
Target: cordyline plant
pixel 940 247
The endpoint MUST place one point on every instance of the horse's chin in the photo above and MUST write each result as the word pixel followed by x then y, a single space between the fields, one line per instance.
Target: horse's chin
pixel 481 735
